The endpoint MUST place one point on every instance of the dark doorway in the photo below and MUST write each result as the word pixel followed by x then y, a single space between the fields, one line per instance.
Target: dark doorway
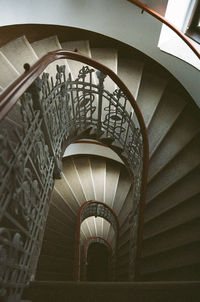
pixel 98 262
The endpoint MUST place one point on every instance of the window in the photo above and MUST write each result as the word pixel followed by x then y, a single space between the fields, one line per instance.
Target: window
pixel 179 14
pixel 193 30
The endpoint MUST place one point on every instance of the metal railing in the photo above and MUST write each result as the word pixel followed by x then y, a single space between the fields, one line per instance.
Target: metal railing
pixel 49 115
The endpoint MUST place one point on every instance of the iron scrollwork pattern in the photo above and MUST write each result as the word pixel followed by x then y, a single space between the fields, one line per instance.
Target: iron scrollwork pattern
pixel 26 184
pixel 53 111
pixel 99 210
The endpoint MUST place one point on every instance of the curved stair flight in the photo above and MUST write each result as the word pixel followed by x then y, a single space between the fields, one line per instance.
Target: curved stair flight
pixel 171 240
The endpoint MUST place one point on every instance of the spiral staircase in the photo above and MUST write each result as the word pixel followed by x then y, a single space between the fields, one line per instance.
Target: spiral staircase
pixel 169 263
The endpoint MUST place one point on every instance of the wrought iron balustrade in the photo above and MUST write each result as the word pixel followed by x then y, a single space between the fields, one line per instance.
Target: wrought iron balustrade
pixel 54 113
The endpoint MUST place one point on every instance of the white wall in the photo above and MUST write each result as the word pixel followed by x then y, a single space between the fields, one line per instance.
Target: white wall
pixel 118 19
pixel 84 148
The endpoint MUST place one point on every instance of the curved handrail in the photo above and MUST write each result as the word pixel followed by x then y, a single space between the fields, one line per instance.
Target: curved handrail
pixel 9 97
pixel 159 17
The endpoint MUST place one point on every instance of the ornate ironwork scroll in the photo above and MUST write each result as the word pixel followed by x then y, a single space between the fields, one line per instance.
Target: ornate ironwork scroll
pixel 99 210
pixel 26 184
pixel 53 112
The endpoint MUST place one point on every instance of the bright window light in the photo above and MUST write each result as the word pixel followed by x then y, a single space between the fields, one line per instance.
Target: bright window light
pixel 178 13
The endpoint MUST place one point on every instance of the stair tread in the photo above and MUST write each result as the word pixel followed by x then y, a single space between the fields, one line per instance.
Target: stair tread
pixel 175 258
pixel 168 110
pixel 19 52
pixel 89 223
pixel 83 168
pixel 41 48
pixel 108 57
pixel 150 92
pixel 181 191
pixel 175 170
pixel 124 185
pixel 179 236
pixel 87 228
pixel 112 182
pixel 183 131
pixel 63 188
pixel 61 207
pixel 98 166
pixel 83 48
pixel 8 72
pixel 130 72
pixel 61 204
pixel 180 214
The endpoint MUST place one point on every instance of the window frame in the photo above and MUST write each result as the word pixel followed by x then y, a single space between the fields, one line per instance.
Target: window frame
pixel 193 28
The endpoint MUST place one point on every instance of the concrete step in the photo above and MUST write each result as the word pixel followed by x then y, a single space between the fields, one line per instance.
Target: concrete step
pixel 63 188
pixel 181 133
pixel 76 183
pixel 57 250
pixel 113 291
pixel 108 57
pixel 55 236
pixel 55 264
pixel 72 177
pixel 126 208
pixel 175 170
pixel 130 72
pixel 123 188
pixel 42 47
pixel 185 273
pixel 183 213
pixel 8 73
pixel 176 258
pixel 124 227
pixel 81 47
pixel 19 52
pixel 59 224
pixel 98 227
pixel 112 182
pixel 106 228
pixel 89 227
pixel 83 168
pixel 123 251
pixel 181 191
pixel 53 276
pixel 178 236
pixel 112 237
pixel 98 166
pixel 150 92
pixel 167 112
pixel 60 207
pixel 124 238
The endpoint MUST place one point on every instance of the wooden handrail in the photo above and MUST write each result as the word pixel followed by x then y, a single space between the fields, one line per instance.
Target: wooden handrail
pixel 12 93
pixel 159 17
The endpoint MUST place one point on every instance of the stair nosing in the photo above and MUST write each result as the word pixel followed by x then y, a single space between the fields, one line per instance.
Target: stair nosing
pixel 173 157
pixel 169 229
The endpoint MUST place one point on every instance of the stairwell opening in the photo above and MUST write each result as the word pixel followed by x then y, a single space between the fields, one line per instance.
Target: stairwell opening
pixel 174 205
pixel 98 263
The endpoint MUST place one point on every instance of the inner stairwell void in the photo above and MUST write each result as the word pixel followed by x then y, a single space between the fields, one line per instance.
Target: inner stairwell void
pixel 96 194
